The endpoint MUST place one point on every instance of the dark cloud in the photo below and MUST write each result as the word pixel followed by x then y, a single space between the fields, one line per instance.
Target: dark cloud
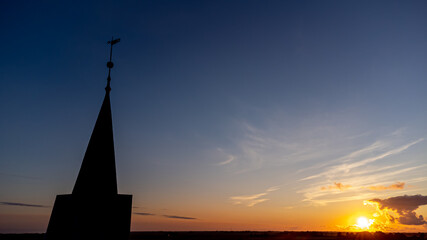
pixel 412 219
pixel 22 204
pixel 167 216
pixel 144 214
pixel 405 207
pixel 179 217
pixel 402 203
pixel 396 186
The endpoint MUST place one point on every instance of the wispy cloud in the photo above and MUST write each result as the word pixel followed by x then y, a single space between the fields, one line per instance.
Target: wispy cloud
pixel 396 186
pixel 272 189
pixel 331 164
pixel 359 191
pixel 347 167
pixel 255 148
pixel 166 216
pixel 22 204
pixel 336 199
pixel 342 187
pixel 376 146
pixel 144 214
pixel 229 160
pixel 336 185
pixel 252 200
pixel 179 217
pixel 362 170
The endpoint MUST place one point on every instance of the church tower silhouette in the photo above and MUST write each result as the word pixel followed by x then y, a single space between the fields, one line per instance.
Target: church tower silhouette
pixel 94 210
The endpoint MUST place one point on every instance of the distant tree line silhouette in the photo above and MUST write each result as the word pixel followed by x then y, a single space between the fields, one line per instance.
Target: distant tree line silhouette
pixel 249 235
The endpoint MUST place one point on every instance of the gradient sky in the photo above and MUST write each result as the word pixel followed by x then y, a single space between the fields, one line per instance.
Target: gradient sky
pixel 228 115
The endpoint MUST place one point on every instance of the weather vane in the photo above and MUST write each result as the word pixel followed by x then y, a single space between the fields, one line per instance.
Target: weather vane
pixel 110 64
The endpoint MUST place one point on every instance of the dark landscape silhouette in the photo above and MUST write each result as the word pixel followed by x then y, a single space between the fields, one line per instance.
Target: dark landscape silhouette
pixel 249 235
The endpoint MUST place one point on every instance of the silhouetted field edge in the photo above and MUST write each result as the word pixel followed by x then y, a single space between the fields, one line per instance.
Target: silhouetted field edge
pixel 248 235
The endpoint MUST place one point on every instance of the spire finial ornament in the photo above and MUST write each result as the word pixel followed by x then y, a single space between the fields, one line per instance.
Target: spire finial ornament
pixel 110 64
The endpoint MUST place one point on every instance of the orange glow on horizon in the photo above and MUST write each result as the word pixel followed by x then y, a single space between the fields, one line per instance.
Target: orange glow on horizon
pixel 364 224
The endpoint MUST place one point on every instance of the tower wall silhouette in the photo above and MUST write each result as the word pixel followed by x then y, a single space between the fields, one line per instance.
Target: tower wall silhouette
pixel 90 218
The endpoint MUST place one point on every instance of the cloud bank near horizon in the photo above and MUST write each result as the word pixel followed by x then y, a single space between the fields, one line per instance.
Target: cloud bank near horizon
pixel 403 207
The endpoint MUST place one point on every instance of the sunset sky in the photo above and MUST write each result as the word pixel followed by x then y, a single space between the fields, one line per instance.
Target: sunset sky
pixel 227 115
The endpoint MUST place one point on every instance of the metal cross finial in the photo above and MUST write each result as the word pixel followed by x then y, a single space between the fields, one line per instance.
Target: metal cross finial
pixel 110 63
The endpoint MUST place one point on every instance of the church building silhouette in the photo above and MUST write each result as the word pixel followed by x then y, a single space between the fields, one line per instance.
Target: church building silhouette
pixel 94 210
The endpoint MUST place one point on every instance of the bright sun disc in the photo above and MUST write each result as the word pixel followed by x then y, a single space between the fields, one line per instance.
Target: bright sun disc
pixel 363 223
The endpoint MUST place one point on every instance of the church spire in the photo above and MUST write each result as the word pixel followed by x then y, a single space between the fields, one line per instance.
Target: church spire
pixel 94 210
pixel 98 171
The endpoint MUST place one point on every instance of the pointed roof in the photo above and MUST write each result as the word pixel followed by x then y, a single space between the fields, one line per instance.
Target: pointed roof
pixel 97 175
pixel 98 171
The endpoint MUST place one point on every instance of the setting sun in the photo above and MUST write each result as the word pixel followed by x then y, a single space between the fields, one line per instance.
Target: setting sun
pixel 364 223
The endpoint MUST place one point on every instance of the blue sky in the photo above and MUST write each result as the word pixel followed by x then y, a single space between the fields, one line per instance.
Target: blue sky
pixel 242 107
